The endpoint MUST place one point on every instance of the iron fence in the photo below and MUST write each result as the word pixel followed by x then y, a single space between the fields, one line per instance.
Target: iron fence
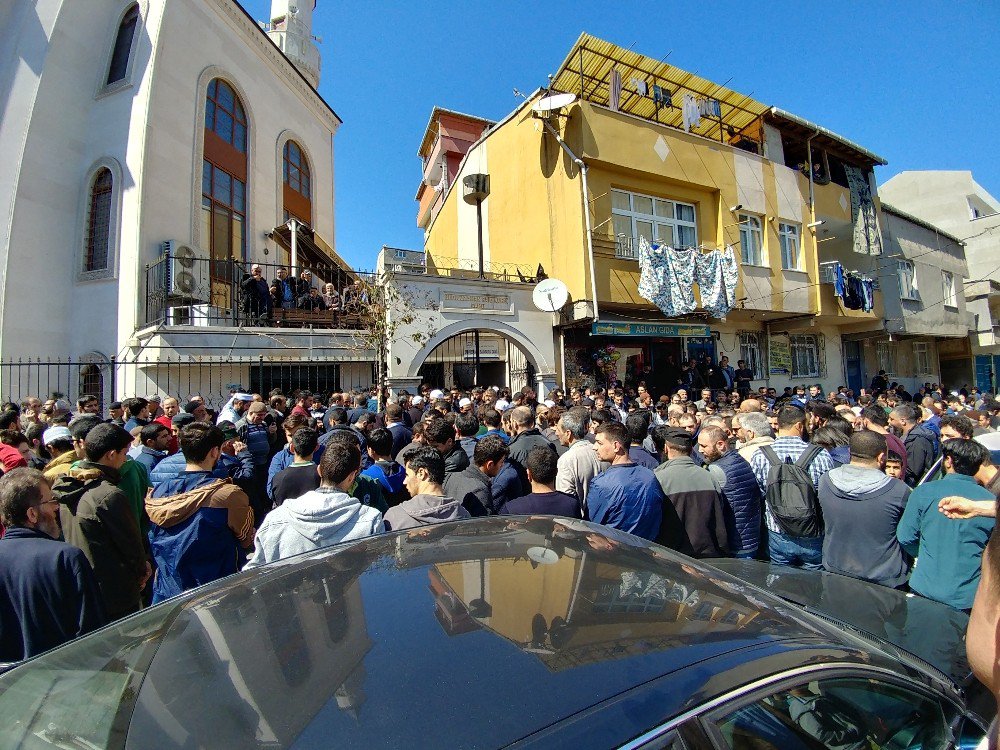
pixel 468 268
pixel 182 289
pixel 181 377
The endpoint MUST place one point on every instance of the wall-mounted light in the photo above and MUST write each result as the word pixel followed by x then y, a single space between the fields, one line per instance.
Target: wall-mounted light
pixel 737 207
pixel 815 224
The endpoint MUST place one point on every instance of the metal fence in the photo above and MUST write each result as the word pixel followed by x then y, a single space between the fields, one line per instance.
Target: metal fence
pixel 183 289
pixel 181 377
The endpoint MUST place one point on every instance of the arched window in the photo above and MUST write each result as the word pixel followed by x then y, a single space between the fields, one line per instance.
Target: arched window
pixel 123 45
pixel 99 221
pixel 297 190
pixel 224 177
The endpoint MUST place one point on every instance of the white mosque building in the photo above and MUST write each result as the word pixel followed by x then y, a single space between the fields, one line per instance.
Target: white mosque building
pixel 153 150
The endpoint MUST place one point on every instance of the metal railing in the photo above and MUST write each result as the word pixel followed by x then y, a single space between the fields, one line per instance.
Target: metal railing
pixel 185 291
pixel 468 268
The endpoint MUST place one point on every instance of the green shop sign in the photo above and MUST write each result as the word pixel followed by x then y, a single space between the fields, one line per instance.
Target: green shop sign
pixel 666 330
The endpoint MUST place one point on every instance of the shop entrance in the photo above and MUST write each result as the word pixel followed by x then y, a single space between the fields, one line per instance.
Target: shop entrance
pixel 477 358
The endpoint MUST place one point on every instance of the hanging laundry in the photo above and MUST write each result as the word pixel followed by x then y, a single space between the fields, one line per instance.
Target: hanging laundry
pixel 662 96
pixel 839 287
pixel 853 293
pixel 867 238
pixel 717 274
pixel 640 86
pixel 615 91
pixel 867 295
pixel 690 113
pixel 709 108
pixel 666 278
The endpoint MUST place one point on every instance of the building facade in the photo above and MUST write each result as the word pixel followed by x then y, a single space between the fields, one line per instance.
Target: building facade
pixel 955 202
pixel 578 183
pixel 158 150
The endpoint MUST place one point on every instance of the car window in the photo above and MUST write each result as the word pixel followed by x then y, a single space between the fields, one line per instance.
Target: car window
pixel 842 714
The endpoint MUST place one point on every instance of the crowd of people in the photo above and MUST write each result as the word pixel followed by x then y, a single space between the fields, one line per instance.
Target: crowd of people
pixel 104 514
pixel 260 297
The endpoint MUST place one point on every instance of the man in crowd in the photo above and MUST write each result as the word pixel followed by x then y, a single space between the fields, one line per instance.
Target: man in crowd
pixel 753 431
pixel 401 434
pixel 389 474
pixel 918 440
pixel 544 498
pixel 201 526
pixel 625 496
pixel 789 456
pixel 693 518
pixel 300 476
pixel 154 440
pixel 467 426
pixel 637 426
pixel 96 516
pixel 235 409
pixel 171 408
pixel 322 517
pixel 440 434
pixel 473 485
pixel 949 551
pixel 874 418
pixel 137 410
pixel 428 503
pixel 259 438
pixel 88 404
pixel 197 410
pixel 578 465
pixel 861 511
pixel 526 437
pixel 741 496
pixel 48 592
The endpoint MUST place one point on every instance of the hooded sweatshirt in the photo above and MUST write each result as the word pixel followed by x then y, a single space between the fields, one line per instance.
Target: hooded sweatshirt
pixel 422 510
pixel 199 525
pixel 861 510
pixel 318 519
pixel 390 476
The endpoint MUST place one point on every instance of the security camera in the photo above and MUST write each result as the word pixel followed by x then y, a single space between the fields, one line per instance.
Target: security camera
pixel 736 208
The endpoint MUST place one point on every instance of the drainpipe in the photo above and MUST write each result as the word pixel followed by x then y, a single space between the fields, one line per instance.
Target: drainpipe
pixel 812 197
pixel 586 209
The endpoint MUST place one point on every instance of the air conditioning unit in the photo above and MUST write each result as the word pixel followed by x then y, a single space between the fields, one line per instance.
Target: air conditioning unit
pixel 187 272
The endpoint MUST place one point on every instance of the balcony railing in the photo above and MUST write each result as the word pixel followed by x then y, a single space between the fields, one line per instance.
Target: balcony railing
pixel 185 291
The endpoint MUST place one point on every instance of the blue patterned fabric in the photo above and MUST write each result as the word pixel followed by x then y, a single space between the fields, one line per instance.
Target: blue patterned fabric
pixel 666 278
pixel 717 276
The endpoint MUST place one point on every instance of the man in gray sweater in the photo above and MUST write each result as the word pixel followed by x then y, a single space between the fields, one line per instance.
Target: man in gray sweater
pixel 861 510
pixel 428 503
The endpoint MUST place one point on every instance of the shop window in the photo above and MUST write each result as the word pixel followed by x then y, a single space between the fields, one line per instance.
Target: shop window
pixel 805 356
pixel 751 352
pixel 658 220
pixel 751 240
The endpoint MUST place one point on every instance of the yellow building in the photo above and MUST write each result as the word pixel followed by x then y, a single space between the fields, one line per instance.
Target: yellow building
pixel 576 181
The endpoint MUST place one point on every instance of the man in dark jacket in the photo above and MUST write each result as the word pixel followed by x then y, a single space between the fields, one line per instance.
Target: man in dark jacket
pixel 693 518
pixel 96 516
pixel 741 496
pixel 154 441
pixel 401 434
pixel 473 485
pixel 200 525
pixel 526 437
pixel 920 442
pixel 862 508
pixel 440 435
pixel 337 417
pixel 544 499
pixel 48 592
pixel 255 297
pixel 467 427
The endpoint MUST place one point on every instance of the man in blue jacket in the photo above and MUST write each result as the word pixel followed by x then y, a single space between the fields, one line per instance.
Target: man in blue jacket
pixel 949 551
pixel 48 592
pixel 625 496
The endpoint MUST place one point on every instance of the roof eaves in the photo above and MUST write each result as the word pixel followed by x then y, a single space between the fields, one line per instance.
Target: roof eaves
pixel 777 111
pixel 436 111
pixel 920 222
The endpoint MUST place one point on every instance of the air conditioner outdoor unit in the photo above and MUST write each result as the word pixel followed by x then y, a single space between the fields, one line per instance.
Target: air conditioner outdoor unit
pixel 187 272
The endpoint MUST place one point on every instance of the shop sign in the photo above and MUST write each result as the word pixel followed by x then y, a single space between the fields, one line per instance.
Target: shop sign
pixel 487 350
pixel 479 303
pixel 780 355
pixel 664 330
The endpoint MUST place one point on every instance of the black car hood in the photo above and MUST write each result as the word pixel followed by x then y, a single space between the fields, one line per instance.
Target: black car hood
pixel 931 631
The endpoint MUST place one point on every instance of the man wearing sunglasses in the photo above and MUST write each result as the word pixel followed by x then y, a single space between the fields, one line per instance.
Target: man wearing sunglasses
pixel 48 592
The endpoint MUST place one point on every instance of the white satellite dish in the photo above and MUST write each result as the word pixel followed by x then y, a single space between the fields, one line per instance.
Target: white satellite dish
pixel 550 295
pixel 550 104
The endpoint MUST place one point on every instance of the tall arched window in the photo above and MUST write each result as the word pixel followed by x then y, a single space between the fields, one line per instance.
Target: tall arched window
pixel 224 176
pixel 297 190
pixel 99 221
pixel 123 45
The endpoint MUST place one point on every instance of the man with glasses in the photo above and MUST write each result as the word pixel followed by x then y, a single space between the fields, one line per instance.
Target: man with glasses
pixel 48 593
pixel 255 296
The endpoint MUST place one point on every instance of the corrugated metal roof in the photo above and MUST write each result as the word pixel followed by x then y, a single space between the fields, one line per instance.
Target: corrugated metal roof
pixel 850 145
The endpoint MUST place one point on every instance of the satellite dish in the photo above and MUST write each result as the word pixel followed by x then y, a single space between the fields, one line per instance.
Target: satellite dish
pixel 550 295
pixel 549 104
pixel 542 555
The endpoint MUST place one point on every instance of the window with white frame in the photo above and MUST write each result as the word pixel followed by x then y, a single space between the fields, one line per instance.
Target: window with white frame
pixel 751 240
pixel 662 221
pixel 752 354
pixel 788 237
pixel 922 358
pixel 948 293
pixel 907 279
pixel 885 353
pixel 805 356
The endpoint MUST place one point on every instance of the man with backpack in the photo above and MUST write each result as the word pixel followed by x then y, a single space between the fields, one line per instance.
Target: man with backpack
pixel 788 472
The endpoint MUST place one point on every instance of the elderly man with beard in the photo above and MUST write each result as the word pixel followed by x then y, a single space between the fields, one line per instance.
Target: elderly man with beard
pixel 741 495
pixel 48 592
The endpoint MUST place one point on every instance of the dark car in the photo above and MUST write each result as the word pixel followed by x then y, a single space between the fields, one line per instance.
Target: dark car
pixel 494 632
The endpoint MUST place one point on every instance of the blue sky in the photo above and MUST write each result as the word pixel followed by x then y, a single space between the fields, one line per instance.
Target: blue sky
pixel 913 81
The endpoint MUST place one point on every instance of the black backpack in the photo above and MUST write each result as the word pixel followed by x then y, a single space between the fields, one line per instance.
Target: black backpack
pixel 790 495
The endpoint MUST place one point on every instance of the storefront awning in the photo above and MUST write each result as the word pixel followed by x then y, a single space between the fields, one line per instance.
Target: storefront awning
pixel 315 255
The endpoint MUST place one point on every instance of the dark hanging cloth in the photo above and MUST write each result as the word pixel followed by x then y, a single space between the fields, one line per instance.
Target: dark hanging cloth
pixel 853 293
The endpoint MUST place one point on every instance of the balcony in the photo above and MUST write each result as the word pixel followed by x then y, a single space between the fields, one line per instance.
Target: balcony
pixel 194 292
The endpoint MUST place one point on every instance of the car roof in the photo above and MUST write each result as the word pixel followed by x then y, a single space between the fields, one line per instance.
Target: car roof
pixel 930 630
pixel 475 634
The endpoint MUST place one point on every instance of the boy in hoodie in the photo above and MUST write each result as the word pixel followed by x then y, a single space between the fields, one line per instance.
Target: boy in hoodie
pixel 302 475
pixel 389 474
pixel 322 517
pixel 200 525
pixel 424 477
pixel 861 510
pixel 97 517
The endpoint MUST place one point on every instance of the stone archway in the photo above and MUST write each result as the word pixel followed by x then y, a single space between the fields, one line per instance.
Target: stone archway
pixel 498 328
